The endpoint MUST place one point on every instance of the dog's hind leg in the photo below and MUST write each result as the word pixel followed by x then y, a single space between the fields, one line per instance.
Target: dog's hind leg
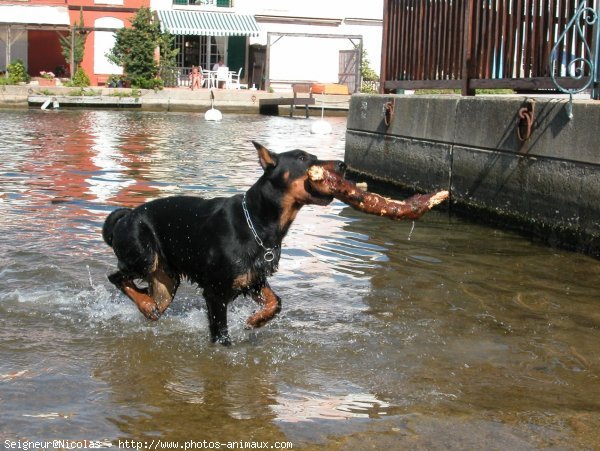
pixel 139 296
pixel 162 288
pixel 155 299
pixel 144 302
pixel 270 305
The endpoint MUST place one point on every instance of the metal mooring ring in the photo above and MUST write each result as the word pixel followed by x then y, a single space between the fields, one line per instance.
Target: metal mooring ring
pixel 526 115
pixel 388 113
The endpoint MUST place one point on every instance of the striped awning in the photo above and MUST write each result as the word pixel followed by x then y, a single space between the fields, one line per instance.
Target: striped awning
pixel 207 23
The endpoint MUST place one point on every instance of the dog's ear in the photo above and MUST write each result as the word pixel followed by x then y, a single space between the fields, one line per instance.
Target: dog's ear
pixel 266 158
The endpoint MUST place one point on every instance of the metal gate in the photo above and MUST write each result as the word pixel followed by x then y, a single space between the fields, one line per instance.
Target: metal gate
pixel 349 73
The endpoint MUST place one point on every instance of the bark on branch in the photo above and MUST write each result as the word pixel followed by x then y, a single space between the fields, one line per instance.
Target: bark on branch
pixel 331 183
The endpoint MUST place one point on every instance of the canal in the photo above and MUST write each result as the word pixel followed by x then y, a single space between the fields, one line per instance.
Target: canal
pixel 437 334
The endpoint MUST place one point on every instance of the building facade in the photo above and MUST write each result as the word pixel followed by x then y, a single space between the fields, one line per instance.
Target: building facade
pixel 273 42
pixel 207 31
pixel 30 31
pixel 313 38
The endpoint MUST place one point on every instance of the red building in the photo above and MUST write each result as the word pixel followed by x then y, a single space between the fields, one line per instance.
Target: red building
pixel 30 31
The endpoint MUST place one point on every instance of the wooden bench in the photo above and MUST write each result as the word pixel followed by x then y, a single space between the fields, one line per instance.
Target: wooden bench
pixel 271 106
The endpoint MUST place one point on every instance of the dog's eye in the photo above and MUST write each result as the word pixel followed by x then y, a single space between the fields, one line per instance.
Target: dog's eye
pixel 303 158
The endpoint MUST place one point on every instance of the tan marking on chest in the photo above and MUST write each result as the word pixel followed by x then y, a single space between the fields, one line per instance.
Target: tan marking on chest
pixel 290 209
pixel 295 197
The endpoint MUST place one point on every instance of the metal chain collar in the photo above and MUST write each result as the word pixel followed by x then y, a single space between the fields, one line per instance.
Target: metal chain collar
pixel 269 256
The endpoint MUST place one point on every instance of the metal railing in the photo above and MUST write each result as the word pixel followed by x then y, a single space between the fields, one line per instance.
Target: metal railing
pixel 174 77
pixel 470 44
pixel 577 67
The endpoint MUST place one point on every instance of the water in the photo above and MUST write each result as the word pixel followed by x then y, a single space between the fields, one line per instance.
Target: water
pixel 430 335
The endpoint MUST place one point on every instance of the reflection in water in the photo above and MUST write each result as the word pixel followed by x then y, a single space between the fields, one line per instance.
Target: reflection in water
pixel 427 335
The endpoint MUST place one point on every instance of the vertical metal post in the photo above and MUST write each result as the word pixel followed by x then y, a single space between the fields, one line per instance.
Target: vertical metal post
pixel 596 56
pixel 8 45
pixel 72 53
pixel 383 72
pixel 468 31
pixel 268 63
pixel 358 75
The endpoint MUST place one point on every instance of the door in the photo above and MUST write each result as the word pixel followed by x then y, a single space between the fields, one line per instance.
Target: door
pixel 256 66
pixel 349 74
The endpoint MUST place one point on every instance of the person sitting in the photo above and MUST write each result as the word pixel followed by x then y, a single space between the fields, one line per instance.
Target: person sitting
pixel 218 64
pixel 196 77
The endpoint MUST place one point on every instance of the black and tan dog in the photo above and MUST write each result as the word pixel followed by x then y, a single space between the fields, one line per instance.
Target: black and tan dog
pixel 227 245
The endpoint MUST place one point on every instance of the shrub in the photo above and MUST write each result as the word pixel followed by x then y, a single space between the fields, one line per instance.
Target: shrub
pixel 143 83
pixel 17 73
pixel 369 77
pixel 81 92
pixel 80 78
pixel 78 39
pixel 134 50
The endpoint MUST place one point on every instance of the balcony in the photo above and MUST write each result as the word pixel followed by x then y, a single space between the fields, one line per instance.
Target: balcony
pixel 213 3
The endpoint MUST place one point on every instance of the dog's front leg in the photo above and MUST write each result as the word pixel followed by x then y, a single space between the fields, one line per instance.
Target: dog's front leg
pixel 217 317
pixel 270 306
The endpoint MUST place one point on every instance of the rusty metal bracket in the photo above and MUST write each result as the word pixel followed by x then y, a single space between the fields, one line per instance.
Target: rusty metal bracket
pixel 526 116
pixel 388 112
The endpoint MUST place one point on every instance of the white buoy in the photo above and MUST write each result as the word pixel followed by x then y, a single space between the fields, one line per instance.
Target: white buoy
pixel 321 127
pixel 55 104
pixel 212 114
pixel 46 104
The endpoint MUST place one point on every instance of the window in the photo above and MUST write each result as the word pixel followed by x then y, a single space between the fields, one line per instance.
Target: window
pixel 217 3
pixel 200 50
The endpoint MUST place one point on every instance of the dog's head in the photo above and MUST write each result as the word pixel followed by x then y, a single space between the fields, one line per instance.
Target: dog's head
pixel 288 172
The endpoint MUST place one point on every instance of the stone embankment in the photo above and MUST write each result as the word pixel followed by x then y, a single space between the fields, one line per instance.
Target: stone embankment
pixel 170 99
pixel 516 160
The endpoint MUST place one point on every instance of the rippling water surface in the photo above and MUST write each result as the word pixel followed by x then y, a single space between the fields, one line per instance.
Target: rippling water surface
pixel 438 334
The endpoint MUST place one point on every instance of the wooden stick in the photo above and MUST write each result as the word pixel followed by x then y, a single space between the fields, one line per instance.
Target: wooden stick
pixel 331 183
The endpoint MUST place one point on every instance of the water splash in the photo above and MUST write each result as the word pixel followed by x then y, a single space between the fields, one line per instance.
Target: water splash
pixel 411 231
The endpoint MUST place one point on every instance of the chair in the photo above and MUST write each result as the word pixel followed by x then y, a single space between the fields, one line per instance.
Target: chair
pixel 223 76
pixel 208 80
pixel 235 80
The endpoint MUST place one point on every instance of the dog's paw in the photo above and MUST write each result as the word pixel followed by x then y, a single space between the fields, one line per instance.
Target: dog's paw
pixel 222 340
pixel 150 311
pixel 253 322
pixel 259 319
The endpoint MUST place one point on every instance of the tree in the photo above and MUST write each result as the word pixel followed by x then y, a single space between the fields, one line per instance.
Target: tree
pixel 168 54
pixel 368 75
pixel 135 48
pixel 77 36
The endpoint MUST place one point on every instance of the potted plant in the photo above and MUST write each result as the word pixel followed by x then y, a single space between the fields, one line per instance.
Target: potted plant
pixel 47 79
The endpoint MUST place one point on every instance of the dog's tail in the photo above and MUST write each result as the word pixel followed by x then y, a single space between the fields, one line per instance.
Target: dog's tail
pixel 111 221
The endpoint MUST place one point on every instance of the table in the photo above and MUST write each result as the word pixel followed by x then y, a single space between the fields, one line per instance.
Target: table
pixel 211 77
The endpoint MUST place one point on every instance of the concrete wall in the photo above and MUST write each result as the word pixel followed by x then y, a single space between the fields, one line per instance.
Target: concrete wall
pixel 549 185
pixel 170 99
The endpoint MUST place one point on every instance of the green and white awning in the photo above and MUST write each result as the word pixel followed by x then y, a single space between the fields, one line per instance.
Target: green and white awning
pixel 207 23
